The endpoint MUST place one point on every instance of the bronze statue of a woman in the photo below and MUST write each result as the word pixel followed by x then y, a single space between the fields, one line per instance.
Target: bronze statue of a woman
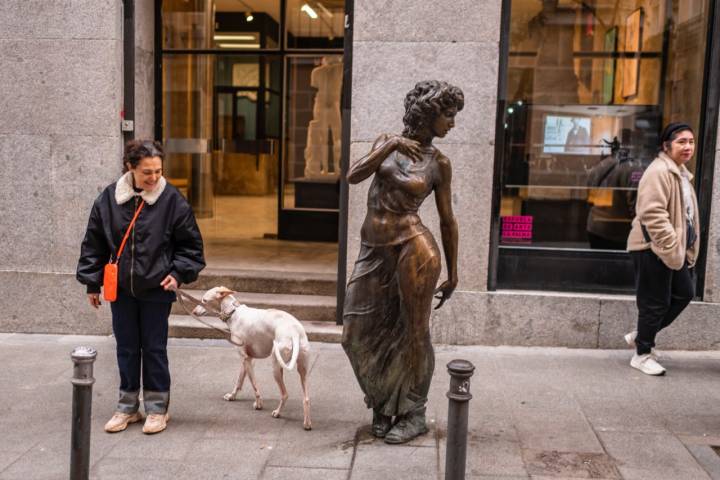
pixel 389 295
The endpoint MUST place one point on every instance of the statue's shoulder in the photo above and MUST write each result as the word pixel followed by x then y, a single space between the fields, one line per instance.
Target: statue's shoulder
pixel 441 159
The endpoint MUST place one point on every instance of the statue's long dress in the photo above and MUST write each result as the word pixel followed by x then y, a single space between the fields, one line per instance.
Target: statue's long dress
pixel 389 296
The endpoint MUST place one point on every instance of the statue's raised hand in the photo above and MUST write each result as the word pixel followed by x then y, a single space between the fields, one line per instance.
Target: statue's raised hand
pixel 408 147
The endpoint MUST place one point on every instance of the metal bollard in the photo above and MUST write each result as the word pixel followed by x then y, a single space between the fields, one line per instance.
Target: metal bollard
pixel 83 359
pixel 459 395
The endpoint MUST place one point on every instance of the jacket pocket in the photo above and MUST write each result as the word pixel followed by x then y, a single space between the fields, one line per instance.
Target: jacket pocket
pixel 645 233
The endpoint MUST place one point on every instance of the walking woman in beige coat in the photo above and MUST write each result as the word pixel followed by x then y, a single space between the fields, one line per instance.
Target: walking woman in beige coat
pixel 664 244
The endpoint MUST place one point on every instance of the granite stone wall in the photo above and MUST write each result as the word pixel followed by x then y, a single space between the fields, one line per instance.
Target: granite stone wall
pixel 397 44
pixel 60 145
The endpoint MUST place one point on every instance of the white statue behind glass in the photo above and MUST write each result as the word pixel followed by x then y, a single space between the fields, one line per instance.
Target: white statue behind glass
pixel 327 79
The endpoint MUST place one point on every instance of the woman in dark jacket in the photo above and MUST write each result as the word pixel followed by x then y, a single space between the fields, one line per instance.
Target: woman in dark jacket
pixel 163 250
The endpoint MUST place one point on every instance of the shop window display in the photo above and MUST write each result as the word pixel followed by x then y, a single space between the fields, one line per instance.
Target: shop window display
pixel 589 86
pixel 250 113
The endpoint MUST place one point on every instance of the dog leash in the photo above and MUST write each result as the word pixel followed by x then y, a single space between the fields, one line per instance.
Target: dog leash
pixel 183 295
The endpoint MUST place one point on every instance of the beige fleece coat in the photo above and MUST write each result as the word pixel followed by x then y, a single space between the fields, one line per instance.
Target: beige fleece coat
pixel 660 208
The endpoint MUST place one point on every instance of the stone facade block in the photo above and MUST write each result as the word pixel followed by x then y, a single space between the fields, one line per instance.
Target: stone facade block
pixel 60 87
pixel 49 303
pixel 522 318
pixel 510 318
pixel 712 268
pixel 144 94
pixel 26 236
pixel 427 21
pixel 61 19
pixel 383 73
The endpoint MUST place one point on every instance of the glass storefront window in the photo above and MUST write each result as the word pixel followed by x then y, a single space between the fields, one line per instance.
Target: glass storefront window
pixel 314 131
pixel 315 24
pixel 589 86
pixel 221 24
pixel 221 125
pixel 251 122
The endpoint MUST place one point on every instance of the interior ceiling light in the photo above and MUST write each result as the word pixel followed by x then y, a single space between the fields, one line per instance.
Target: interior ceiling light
pixel 309 10
pixel 239 45
pixel 238 38
pixel 249 17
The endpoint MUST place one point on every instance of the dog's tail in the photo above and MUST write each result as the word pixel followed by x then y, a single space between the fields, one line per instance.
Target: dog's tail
pixel 295 353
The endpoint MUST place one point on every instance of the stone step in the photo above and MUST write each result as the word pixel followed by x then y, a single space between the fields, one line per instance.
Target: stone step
pixel 257 281
pixel 185 326
pixel 307 308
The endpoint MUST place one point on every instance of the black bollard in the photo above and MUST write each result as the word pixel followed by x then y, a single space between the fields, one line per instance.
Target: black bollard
pixel 459 395
pixel 83 359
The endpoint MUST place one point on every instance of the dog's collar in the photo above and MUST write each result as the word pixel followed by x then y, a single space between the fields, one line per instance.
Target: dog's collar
pixel 225 316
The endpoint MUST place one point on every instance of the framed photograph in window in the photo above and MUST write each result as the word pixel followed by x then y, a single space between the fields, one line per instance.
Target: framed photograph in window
pixel 610 48
pixel 632 46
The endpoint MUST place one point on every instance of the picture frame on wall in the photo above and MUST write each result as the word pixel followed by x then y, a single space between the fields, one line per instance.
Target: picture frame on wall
pixel 632 44
pixel 610 48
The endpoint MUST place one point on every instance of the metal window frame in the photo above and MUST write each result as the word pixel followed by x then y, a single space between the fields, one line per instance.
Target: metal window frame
pixel 710 110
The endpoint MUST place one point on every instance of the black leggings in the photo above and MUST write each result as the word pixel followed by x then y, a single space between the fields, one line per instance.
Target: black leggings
pixel 662 294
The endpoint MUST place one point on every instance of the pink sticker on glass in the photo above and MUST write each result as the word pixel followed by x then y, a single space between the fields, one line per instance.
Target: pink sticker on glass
pixel 516 229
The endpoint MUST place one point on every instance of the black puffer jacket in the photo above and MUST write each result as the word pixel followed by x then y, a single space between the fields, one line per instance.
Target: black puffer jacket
pixel 165 240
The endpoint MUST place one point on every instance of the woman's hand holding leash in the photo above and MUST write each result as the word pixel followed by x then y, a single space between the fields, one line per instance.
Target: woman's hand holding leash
pixel 169 283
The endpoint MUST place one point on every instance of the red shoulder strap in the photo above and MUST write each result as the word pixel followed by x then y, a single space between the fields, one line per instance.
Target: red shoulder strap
pixel 127 232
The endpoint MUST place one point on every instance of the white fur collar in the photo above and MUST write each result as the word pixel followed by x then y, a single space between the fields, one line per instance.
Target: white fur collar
pixel 124 190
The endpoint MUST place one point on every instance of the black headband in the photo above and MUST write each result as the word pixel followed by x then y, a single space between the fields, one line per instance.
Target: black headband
pixel 672 129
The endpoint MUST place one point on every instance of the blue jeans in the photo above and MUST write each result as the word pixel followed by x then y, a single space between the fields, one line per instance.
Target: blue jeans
pixel 141 332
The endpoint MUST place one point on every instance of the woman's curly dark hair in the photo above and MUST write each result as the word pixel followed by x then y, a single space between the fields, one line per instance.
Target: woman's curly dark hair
pixel 428 100
pixel 136 150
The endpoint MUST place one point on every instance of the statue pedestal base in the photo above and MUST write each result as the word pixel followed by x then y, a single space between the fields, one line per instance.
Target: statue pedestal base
pixel 317 192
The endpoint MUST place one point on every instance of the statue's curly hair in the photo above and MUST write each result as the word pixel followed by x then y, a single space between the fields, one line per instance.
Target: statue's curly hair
pixel 426 101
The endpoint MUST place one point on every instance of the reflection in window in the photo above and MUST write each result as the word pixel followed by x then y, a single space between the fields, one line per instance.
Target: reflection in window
pixel 315 24
pixel 221 24
pixel 589 86
pixel 314 131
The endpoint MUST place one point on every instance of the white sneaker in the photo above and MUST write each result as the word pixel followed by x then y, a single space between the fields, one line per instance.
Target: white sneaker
pixel 647 364
pixel 630 340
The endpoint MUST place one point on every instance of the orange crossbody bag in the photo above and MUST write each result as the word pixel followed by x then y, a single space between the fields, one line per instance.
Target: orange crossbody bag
pixel 110 273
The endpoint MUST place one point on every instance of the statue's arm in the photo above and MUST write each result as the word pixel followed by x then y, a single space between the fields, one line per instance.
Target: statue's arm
pixel 448 228
pixel 367 165
pixel 381 149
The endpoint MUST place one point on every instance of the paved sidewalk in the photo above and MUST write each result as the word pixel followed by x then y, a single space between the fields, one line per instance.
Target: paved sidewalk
pixel 536 413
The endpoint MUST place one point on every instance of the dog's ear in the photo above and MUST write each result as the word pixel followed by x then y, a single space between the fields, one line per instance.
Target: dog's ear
pixel 224 292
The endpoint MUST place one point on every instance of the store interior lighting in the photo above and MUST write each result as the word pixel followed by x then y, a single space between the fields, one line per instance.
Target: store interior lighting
pixel 309 11
pixel 239 45
pixel 235 38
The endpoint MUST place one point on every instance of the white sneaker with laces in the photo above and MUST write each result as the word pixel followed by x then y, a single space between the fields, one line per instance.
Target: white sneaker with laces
pixel 630 340
pixel 647 364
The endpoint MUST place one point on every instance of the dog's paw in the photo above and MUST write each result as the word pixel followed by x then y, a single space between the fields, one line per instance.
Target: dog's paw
pixel 258 404
pixel 229 397
pixel 276 413
pixel 307 425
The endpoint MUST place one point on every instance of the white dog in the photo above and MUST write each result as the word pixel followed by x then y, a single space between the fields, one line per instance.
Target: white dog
pixel 258 334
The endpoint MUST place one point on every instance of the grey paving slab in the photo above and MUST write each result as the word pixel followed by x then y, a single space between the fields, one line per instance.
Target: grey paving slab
pixel 708 458
pixel 329 445
pixel 540 413
pixel 644 455
pixel 146 468
pixel 390 461
pixel 291 473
